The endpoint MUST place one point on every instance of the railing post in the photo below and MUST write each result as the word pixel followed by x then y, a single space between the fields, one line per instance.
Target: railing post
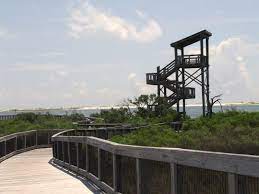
pixel 36 138
pixel 16 142
pixel 68 149
pixel 25 139
pixel 99 164
pixel 77 156
pixel 54 149
pixel 173 178
pixel 86 158
pixel 4 148
pixel 114 167
pixel 232 183
pixel 48 139
pixel 57 153
pixel 63 151
pixel 138 173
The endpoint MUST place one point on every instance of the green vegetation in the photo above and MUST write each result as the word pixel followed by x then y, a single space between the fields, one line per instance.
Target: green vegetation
pixel 232 131
pixel 30 121
pixel 142 114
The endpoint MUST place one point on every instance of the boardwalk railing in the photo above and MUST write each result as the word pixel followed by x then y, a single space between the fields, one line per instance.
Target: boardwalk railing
pixel 118 168
pixel 24 141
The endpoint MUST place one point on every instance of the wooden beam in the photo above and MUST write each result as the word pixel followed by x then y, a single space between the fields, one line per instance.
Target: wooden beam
pixel 176 79
pixel 68 150
pixel 25 141
pixel 207 75
pixel 77 155
pixel 63 150
pixel 173 178
pixel 36 138
pixel 57 154
pixel 4 148
pixel 48 136
pixel 232 184
pixel 202 79
pixel 183 82
pixel 158 78
pixel 99 164
pixel 138 174
pixel 16 143
pixel 114 174
pixel 86 158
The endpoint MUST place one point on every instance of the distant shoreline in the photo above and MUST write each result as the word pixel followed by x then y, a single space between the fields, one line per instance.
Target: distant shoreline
pixel 116 107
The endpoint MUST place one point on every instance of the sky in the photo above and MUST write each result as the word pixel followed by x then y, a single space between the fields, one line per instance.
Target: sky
pixel 66 53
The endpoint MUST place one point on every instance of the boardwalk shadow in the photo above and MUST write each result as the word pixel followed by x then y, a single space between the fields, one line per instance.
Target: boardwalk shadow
pixel 91 186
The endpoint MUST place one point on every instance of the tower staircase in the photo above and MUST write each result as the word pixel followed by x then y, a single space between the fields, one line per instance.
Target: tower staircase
pixel 173 81
pixel 178 89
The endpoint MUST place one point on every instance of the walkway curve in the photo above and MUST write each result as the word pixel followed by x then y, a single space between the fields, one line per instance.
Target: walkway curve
pixel 33 172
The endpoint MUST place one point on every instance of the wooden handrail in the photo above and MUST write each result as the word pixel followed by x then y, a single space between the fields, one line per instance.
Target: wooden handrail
pixel 29 140
pixel 232 164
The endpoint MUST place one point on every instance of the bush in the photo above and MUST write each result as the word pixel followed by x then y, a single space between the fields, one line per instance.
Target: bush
pixel 120 115
pixel 234 132
pixel 30 121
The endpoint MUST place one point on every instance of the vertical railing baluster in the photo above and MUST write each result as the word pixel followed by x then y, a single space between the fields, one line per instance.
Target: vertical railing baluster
pixel 138 173
pixel 86 158
pixel 99 164
pixel 54 149
pixel 25 141
pixel 77 156
pixel 57 154
pixel 16 143
pixel 63 151
pixel 48 138
pixel 114 168
pixel 4 148
pixel 173 178
pixel 68 150
pixel 232 186
pixel 36 138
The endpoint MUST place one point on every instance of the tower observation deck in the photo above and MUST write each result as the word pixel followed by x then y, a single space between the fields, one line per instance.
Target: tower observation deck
pixel 173 80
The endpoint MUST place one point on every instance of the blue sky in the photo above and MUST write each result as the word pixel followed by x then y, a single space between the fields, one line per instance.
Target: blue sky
pixel 74 53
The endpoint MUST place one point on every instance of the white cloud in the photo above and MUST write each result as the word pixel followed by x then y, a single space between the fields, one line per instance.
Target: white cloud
pixel 140 13
pixel 232 68
pixel 131 76
pixel 88 19
pixel 139 87
pixel 35 67
pixel 109 96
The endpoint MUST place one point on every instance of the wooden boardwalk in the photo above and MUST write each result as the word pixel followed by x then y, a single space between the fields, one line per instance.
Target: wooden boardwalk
pixel 32 172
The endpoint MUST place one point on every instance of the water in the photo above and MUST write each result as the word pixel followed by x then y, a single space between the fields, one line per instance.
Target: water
pixel 196 111
pixel 192 111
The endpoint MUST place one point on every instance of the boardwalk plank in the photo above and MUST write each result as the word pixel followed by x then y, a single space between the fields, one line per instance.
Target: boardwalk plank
pixel 31 172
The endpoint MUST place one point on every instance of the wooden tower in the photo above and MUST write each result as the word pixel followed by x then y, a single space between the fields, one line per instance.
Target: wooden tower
pixel 172 81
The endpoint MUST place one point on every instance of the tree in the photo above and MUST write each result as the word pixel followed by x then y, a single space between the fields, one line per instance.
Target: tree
pixel 212 102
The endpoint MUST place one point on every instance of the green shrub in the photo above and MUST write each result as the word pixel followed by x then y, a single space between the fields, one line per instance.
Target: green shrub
pixel 30 121
pixel 232 131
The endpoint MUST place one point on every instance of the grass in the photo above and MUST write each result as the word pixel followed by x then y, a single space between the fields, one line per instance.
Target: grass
pixel 232 131
pixel 30 121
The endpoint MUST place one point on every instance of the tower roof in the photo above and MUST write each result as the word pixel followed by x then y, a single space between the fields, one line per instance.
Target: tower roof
pixel 191 39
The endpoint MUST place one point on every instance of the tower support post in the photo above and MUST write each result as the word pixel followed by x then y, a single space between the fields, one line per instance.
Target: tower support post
pixel 202 79
pixel 207 76
pixel 183 81
pixel 176 80
pixel 158 79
